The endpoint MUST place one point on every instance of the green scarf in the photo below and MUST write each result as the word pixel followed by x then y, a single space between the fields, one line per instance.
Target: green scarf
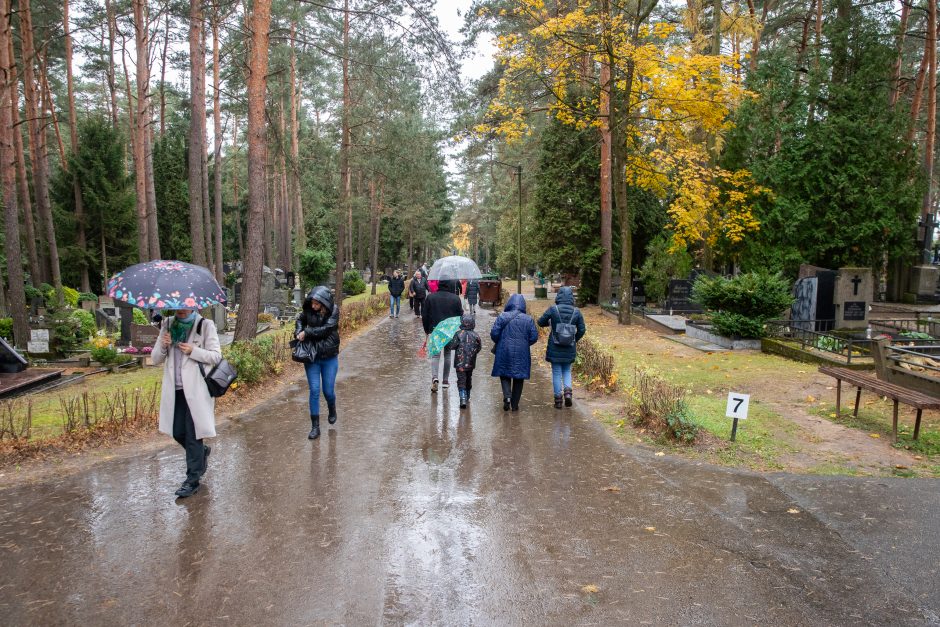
pixel 179 330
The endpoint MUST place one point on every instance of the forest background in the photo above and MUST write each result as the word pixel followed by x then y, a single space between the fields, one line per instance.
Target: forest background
pixel 648 134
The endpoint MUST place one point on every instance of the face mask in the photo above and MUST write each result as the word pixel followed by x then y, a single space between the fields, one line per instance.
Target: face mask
pixel 191 317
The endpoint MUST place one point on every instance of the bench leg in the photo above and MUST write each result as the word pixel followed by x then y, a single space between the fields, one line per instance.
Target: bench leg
pixel 917 423
pixel 838 399
pixel 894 427
pixel 858 397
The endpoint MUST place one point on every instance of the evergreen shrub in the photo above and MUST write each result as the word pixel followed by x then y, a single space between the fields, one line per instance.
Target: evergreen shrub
pixel 741 305
pixel 353 283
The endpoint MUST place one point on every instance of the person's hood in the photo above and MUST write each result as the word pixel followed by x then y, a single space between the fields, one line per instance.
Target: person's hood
pixel 516 302
pixel 322 295
pixel 468 322
pixel 565 296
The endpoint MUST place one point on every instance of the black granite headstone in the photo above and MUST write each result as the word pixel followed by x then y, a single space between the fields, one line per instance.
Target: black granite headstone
pixel 639 293
pixel 290 278
pixel 679 296
pixel 11 361
pixel 127 319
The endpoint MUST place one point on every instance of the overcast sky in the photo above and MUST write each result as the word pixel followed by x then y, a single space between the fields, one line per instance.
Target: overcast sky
pixel 450 14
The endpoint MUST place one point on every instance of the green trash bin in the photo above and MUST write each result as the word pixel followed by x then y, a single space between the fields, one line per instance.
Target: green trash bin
pixel 541 292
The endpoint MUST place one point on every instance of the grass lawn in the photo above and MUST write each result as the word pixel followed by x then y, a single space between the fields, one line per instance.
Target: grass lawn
pixel 790 423
pixel 381 288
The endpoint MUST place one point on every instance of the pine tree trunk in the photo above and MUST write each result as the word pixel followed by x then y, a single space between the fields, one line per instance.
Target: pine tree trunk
pixel 345 178
pixel 236 199
pixel 112 79
pixel 603 292
pixel 206 207
pixel 17 296
pixel 247 326
pixel 197 134
pixel 142 127
pixel 31 237
pixel 80 238
pixel 48 106
pixel 217 162
pixel 166 43
pixel 376 227
pixel 896 88
pixel 300 237
pixel 140 182
pixel 37 145
pixel 927 208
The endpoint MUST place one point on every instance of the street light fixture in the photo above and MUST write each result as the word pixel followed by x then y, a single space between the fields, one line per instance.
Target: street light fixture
pixel 518 169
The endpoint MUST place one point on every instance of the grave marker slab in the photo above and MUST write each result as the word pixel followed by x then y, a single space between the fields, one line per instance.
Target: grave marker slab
pixel 679 296
pixel 853 294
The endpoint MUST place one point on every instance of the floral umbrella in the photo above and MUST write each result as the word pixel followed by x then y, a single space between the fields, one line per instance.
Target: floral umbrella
pixel 166 285
pixel 442 334
pixel 454 267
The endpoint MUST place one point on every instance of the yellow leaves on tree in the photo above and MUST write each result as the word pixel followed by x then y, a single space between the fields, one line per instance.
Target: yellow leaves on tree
pixel 461 237
pixel 676 107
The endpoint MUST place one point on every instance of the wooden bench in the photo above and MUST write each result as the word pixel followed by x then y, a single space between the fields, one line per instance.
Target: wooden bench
pixel 896 393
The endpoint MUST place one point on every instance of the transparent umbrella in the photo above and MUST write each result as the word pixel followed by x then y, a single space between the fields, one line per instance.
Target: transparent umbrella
pixel 454 267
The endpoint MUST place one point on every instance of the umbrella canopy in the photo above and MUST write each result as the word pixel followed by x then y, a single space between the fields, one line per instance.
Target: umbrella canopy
pixel 166 285
pixel 442 334
pixel 454 267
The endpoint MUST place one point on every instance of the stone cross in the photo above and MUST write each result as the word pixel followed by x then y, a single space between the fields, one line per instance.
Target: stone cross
pixel 855 281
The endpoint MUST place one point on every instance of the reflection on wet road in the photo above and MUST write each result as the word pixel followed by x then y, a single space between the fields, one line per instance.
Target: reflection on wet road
pixel 410 511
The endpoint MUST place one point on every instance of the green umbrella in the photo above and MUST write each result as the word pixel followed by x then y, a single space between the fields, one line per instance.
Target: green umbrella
pixel 442 334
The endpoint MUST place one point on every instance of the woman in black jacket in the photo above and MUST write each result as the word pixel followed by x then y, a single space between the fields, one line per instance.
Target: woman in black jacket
pixel 396 285
pixel 318 325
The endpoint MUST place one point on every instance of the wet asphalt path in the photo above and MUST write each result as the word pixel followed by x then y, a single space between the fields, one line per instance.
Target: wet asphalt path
pixel 409 512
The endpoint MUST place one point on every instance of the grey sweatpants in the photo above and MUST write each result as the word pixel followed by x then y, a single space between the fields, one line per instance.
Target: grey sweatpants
pixel 436 365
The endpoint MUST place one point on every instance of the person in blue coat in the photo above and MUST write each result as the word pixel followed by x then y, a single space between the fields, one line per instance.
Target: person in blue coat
pixel 513 333
pixel 561 357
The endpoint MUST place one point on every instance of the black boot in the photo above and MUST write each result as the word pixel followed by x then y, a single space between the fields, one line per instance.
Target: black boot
pixel 463 399
pixel 558 401
pixel 567 397
pixel 331 417
pixel 506 404
pixel 315 428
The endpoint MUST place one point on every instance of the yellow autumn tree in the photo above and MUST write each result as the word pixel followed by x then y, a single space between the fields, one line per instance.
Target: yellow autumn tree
pixel 666 105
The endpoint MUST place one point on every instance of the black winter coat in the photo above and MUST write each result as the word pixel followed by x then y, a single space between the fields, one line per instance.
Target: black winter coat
pixel 473 291
pixel 468 344
pixel 321 330
pixel 563 311
pixel 419 287
pixel 396 286
pixel 439 306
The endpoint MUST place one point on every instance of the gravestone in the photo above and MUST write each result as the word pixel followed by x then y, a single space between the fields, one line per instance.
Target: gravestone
pixel 38 342
pixel 814 294
pixel 144 335
pixel 639 293
pixel 11 361
pixel 291 278
pixel 127 319
pixel 803 309
pixel 271 294
pixel 923 282
pixel 679 297
pixel 853 294
pixel 219 317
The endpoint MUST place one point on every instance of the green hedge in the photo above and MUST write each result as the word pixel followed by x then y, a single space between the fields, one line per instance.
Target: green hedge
pixel 741 305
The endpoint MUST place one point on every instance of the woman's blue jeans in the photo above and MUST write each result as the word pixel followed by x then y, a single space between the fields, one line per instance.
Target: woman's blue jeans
pixel 322 370
pixel 561 377
pixel 394 305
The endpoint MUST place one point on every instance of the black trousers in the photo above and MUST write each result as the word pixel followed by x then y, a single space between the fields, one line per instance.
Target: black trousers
pixel 184 432
pixel 418 303
pixel 465 380
pixel 512 389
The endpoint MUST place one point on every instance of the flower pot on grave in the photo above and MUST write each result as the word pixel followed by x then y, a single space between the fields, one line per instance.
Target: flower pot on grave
pixel 541 292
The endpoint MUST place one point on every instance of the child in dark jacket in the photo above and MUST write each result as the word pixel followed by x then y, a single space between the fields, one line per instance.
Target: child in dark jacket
pixel 468 344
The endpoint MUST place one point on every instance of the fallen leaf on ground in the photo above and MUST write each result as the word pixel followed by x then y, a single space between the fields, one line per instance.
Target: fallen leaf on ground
pixel 874 435
pixel 590 589
pixel 832 415
pixel 793 510
pixel 900 467
pixel 659 453
pixel 611 488
pixel 649 528
pixel 917 457
pixel 810 399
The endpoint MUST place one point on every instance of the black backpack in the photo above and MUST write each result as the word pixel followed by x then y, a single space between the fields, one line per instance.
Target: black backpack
pixel 565 334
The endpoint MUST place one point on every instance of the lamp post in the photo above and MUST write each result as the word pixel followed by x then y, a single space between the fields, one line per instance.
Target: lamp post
pixel 518 169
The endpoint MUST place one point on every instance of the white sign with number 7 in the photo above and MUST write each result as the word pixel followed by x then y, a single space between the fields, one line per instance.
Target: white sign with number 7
pixel 737 405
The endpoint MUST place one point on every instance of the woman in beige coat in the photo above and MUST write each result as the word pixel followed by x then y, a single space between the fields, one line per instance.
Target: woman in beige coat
pixel 187 412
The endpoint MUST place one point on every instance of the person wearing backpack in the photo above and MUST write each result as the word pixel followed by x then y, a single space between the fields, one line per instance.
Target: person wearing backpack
pixel 187 410
pixel 567 326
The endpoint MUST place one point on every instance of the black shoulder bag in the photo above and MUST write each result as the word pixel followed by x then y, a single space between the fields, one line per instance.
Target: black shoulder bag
pixel 222 375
